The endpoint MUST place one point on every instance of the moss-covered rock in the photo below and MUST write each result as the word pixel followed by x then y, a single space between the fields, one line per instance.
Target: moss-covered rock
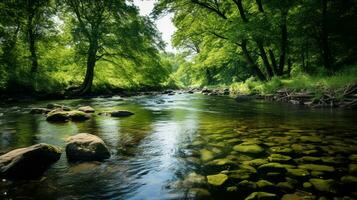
pixel 248 148
pixel 349 181
pixel 314 167
pixel 247 185
pixel 279 158
pixel 217 179
pixel 206 155
pixel 194 180
pixel 265 185
pixel 29 162
pixel 272 167
pixel 286 187
pixel 77 115
pixel 256 162
pixel 261 196
pixel 313 139
pixel 323 185
pixel 297 173
pixel 63 116
pixel 281 150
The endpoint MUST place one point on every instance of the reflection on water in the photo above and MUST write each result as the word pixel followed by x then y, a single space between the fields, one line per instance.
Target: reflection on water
pixel 170 145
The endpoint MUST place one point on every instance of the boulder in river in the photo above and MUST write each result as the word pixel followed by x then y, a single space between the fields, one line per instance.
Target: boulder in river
pixel 63 116
pixel 121 113
pixel 29 162
pixel 86 109
pixel 86 147
pixel 217 179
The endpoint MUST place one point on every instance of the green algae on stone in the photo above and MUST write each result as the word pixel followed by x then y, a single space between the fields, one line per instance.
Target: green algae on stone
pixel 232 189
pixel 217 179
pixel 256 162
pixel 194 179
pixel 307 185
pixel 308 159
pixel 314 167
pixel 349 180
pixel 206 155
pixel 249 149
pixel 262 184
pixel 281 150
pixel 272 167
pixel 313 139
pixel 297 173
pixel 285 186
pixel 247 185
pixel 261 196
pixel 279 158
pixel 323 185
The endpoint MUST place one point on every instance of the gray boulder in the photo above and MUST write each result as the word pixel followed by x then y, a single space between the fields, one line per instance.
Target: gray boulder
pixel 86 147
pixel 29 162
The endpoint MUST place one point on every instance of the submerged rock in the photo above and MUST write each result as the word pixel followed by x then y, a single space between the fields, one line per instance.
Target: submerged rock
pixel 323 185
pixel 314 167
pixel 194 179
pixel 297 173
pixel 312 139
pixel 85 147
pixel 206 155
pixel 121 113
pixel 261 196
pixel 256 162
pixel 248 148
pixel 86 109
pixel 279 158
pixel 198 193
pixel 217 179
pixel 29 162
pixel 247 185
pixel 272 167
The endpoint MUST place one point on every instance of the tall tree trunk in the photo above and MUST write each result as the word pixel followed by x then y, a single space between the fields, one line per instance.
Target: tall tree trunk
pixel 283 42
pixel 91 61
pixel 31 36
pixel 264 56
pixel 251 63
pixel 273 61
pixel 326 54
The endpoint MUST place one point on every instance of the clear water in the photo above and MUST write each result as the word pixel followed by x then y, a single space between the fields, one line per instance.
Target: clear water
pixel 155 150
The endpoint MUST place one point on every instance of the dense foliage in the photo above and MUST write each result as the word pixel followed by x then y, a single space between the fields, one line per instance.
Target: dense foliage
pixel 56 46
pixel 80 46
pixel 231 40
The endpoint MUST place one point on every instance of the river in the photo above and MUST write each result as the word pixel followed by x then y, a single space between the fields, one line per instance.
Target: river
pixel 170 145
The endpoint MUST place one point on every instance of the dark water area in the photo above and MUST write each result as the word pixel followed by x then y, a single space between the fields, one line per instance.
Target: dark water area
pixel 172 143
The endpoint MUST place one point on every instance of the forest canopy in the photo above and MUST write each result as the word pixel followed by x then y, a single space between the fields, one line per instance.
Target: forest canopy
pixel 82 46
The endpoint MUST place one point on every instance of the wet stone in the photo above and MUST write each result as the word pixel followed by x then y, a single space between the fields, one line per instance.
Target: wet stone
pixel 307 185
pixel 285 186
pixel 261 196
pixel 194 179
pixel 352 169
pixel 247 185
pixel 232 189
pixel 206 155
pixel 272 167
pixel 279 158
pixel 217 179
pixel 323 185
pixel 198 193
pixel 265 185
pixel 313 139
pixel 281 150
pixel 314 167
pixel 249 149
pixel 297 173
pixel 350 181
pixel 256 162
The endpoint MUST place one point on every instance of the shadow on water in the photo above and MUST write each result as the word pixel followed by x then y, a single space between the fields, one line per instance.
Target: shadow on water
pixel 172 143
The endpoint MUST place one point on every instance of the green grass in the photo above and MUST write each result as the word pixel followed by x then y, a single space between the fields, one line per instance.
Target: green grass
pixel 302 82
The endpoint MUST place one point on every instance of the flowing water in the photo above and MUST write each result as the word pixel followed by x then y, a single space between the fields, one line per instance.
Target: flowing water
pixel 170 145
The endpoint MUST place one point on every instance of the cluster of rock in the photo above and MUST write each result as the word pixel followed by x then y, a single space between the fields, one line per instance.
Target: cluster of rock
pixel 271 164
pixel 31 162
pixel 60 113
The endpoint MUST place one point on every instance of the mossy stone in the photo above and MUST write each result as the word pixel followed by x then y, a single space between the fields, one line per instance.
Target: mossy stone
pixel 232 189
pixel 314 167
pixel 256 162
pixel 206 155
pixel 297 173
pixel 217 179
pixel 249 149
pixel 323 185
pixel 307 185
pixel 279 158
pixel 313 139
pixel 285 186
pixel 272 167
pixel 247 185
pixel 261 196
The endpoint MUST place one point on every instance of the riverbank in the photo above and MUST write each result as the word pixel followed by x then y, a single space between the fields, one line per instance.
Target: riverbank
pixel 335 91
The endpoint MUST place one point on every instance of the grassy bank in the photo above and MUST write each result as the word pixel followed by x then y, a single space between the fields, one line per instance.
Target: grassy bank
pixel 304 89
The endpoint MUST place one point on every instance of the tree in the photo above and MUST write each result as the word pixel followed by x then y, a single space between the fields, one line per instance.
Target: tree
pixel 106 29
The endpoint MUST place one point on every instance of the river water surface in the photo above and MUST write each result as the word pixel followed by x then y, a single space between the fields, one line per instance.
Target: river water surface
pixel 170 145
